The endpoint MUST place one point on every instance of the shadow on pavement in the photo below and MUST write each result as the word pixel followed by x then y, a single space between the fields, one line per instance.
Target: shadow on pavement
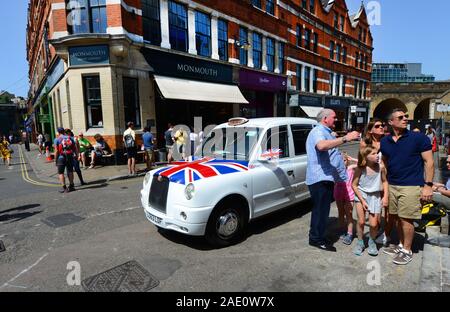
pixel 97 186
pixel 18 216
pixel 20 208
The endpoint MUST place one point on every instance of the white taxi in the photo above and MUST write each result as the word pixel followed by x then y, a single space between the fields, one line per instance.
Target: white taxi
pixel 248 168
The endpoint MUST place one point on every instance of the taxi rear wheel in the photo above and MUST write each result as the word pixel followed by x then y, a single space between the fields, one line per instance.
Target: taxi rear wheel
pixel 226 226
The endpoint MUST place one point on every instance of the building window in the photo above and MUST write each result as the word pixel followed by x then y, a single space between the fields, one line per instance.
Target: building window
pixel 355 91
pixel 332 50
pixel 131 101
pixel 307 78
pixel 243 39
pixel 360 31
pixel 365 89
pixel 331 83
pixel 338 84
pixel 257 3
pixel 344 82
pixel 270 7
pixel 315 80
pixel 178 31
pixel 361 60
pixel 304 5
pixel 299 77
pixel 335 21
pixel 338 53
pixel 312 6
pixel 342 23
pixel 93 101
pixel 315 42
pixel 270 57
pixel 365 62
pixel 299 36
pixel 151 22
pixel 281 57
pixel 203 33
pixel 257 50
pixel 223 39
pixel 308 39
pixel 86 16
pixel 344 55
pixel 357 60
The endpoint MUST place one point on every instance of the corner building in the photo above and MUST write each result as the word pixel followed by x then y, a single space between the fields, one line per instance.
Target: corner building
pixel 94 65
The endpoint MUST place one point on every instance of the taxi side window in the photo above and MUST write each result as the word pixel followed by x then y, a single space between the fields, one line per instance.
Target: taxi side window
pixel 277 138
pixel 300 134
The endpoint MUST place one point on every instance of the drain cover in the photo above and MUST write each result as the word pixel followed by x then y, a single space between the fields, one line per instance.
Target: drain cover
pixel 62 220
pixel 2 246
pixel 128 277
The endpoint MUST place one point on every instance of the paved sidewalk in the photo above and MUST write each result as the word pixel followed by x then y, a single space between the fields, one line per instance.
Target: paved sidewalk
pixel 46 171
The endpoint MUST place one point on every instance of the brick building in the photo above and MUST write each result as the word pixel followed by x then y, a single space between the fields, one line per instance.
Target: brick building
pixel 96 64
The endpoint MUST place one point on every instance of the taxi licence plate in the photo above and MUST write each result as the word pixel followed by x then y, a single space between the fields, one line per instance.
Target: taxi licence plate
pixel 153 218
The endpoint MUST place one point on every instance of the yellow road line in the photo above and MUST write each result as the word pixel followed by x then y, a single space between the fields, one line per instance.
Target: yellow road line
pixel 25 175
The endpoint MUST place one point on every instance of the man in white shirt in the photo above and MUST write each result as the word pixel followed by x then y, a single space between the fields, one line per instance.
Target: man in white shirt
pixel 129 140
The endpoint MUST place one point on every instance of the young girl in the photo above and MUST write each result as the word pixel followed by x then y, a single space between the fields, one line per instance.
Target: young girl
pixel 344 196
pixel 368 182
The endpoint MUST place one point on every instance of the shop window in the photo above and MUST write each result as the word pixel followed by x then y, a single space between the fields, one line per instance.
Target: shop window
pixel 223 40
pixel 243 39
pixel 178 31
pixel 151 21
pixel 300 135
pixel 257 50
pixel 270 57
pixel 203 33
pixel 86 16
pixel 131 101
pixel 93 101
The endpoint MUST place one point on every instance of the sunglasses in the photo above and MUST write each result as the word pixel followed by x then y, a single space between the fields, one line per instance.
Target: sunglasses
pixel 402 117
pixel 379 126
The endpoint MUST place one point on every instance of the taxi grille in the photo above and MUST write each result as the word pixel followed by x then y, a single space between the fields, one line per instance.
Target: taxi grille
pixel 158 193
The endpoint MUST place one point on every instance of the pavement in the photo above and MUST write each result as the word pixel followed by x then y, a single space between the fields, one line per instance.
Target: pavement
pixel 48 235
pixel 46 171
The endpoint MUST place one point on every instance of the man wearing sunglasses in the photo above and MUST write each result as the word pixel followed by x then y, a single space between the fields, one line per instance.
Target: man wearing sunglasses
pixel 408 158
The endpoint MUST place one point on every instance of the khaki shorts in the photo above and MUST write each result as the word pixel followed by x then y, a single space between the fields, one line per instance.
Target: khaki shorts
pixel 404 201
pixel 149 153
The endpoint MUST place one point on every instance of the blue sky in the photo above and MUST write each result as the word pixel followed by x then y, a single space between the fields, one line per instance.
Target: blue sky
pixel 410 31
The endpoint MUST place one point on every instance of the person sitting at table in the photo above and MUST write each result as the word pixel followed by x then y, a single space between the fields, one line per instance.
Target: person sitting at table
pixel 99 150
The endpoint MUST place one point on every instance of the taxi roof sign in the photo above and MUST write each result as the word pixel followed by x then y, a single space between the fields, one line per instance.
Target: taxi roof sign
pixel 237 121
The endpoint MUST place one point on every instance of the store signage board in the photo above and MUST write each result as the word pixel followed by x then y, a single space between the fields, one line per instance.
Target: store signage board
pixel 89 55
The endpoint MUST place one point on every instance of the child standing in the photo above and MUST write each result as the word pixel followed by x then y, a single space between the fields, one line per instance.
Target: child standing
pixel 368 182
pixel 344 196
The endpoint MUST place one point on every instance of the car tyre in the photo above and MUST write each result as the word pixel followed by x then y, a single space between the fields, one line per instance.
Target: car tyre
pixel 226 226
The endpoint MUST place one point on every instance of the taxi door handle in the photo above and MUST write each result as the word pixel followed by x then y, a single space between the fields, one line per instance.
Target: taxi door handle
pixel 290 172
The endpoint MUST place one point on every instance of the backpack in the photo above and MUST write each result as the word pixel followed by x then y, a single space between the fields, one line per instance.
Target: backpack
pixel 66 145
pixel 432 213
pixel 129 141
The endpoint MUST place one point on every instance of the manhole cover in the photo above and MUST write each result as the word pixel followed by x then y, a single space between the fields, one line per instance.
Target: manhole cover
pixel 2 246
pixel 128 277
pixel 62 220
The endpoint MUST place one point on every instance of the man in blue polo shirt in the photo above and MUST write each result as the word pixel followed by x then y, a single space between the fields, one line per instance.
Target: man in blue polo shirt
pixel 406 155
pixel 325 167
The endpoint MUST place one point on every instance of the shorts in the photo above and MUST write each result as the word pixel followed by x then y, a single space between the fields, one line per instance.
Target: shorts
pixel 64 163
pixel 341 193
pixel 149 153
pixel 131 152
pixel 373 201
pixel 404 201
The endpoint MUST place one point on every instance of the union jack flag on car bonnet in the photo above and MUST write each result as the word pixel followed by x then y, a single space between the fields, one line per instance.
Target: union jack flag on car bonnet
pixel 188 172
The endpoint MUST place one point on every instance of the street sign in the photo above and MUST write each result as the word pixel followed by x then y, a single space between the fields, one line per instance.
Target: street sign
pixel 353 109
pixel 44 118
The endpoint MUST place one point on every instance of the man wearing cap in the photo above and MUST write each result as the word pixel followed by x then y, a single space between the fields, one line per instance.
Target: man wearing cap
pixel 65 149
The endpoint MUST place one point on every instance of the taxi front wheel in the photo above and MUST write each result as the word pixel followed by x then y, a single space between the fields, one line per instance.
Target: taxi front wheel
pixel 225 226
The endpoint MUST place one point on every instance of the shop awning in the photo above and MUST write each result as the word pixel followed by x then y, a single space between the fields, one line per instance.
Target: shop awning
pixel 181 89
pixel 311 111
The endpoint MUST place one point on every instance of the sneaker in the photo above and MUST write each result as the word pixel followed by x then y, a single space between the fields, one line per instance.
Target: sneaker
pixel 348 239
pixel 63 190
pixel 380 239
pixel 71 188
pixel 359 248
pixel 91 167
pixel 403 257
pixel 392 250
pixel 373 250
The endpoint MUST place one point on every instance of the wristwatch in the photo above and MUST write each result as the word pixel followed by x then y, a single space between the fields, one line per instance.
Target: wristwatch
pixel 344 139
pixel 430 184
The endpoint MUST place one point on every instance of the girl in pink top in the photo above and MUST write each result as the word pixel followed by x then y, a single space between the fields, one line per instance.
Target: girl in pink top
pixel 344 196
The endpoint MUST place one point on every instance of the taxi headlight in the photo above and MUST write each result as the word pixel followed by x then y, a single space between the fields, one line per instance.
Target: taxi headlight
pixel 189 191
pixel 147 178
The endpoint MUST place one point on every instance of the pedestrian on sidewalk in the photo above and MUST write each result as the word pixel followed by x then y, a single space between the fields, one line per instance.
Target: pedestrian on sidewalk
pixel 85 148
pixel 168 137
pixel 344 197
pixel 129 140
pixel 76 155
pixel 325 167
pixel 149 142
pixel 408 158
pixel 368 183
pixel 5 151
pixel 65 148
pixel 40 142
